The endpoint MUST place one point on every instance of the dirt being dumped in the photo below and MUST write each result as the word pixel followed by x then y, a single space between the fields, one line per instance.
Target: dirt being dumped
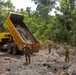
pixel 42 63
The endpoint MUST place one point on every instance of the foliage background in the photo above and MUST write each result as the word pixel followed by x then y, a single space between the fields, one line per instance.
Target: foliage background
pixel 60 28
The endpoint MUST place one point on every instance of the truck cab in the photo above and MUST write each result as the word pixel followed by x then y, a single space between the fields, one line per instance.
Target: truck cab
pixel 5 38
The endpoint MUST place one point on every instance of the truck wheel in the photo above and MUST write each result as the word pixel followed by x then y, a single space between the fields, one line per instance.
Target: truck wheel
pixel 9 50
pixel 0 47
pixel 14 51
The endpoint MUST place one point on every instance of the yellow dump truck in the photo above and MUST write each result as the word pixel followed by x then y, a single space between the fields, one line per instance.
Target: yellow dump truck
pixel 5 38
pixel 20 34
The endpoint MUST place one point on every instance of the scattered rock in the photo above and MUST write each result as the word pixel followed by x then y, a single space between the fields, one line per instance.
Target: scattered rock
pixel 50 73
pixel 40 60
pixel 66 73
pixel 65 67
pixel 7 58
pixel 55 60
pixel 55 68
pixel 74 73
pixel 62 73
pixel 8 69
pixel 48 65
pixel 20 66
pixel 0 72
pixel 44 64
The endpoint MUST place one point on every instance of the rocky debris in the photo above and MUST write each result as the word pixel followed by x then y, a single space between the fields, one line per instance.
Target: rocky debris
pixel 72 67
pixel 8 69
pixel 0 72
pixel 74 72
pixel 50 73
pixel 7 58
pixel 64 73
pixel 41 64
pixel 65 67
pixel 45 64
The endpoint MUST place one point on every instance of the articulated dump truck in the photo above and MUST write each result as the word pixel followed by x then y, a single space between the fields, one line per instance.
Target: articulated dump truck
pixel 20 34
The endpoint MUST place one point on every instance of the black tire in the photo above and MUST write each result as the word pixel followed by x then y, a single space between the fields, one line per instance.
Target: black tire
pixel 14 51
pixel 9 50
pixel 0 47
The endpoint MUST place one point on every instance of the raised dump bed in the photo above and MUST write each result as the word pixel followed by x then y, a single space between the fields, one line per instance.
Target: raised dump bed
pixel 20 32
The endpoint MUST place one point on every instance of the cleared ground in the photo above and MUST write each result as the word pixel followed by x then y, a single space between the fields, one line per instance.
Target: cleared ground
pixel 42 63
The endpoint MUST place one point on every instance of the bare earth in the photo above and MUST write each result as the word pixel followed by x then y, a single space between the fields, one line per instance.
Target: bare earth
pixel 42 63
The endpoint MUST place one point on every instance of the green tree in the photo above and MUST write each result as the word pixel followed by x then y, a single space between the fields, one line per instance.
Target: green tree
pixel 5 7
pixel 44 7
pixel 67 7
pixel 1 15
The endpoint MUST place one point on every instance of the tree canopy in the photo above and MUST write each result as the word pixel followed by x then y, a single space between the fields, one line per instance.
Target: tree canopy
pixel 59 28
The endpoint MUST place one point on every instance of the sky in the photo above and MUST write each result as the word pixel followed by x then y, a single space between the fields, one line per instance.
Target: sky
pixel 26 3
pixel 23 4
